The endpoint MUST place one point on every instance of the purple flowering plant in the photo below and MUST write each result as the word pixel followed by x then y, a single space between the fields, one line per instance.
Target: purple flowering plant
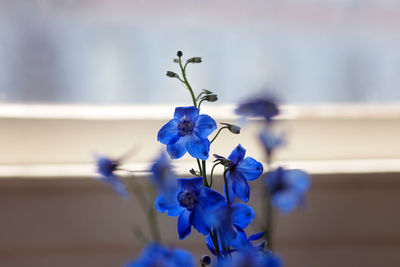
pixel 221 217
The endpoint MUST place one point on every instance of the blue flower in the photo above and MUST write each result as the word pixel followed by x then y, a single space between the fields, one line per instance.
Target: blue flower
pixel 287 188
pixel 270 141
pixel 187 131
pixel 250 257
pixel 192 203
pixel 156 255
pixel 106 168
pixel 163 176
pixel 239 171
pixel 259 107
pixel 228 224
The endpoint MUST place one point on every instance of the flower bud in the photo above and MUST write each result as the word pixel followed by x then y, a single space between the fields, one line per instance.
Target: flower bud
pixel 179 54
pixel 205 260
pixel 176 60
pixel 222 160
pixel 207 91
pixel 192 171
pixel 194 60
pixel 232 128
pixel 210 98
pixel 172 74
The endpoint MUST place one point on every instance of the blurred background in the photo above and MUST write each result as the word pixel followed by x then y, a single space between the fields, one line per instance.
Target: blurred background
pixel 335 62
pixel 108 52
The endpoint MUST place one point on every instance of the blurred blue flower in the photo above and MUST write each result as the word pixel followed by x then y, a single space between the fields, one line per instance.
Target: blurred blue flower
pixel 287 188
pixel 270 141
pixel 239 171
pixel 187 131
pixel 163 176
pixel 106 168
pixel 249 256
pixel 259 107
pixel 192 202
pixel 228 223
pixel 156 255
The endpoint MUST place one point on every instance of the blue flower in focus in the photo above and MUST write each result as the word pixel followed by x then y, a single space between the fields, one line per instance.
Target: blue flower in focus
pixel 239 171
pixel 287 188
pixel 156 255
pixel 250 257
pixel 187 131
pixel 228 223
pixel 106 168
pixel 259 107
pixel 192 203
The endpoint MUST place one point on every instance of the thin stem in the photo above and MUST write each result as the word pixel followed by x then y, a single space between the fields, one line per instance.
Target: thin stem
pixel 202 93
pixel 147 209
pixel 212 173
pixel 201 101
pixel 183 70
pixel 268 215
pixel 220 129
pixel 199 165
pixel 205 182
pixel 226 188
pixel 140 236
pixel 214 238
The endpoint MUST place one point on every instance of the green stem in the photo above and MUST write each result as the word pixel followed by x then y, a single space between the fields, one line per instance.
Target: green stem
pixel 205 182
pixel 201 101
pixel 212 174
pixel 214 238
pixel 199 165
pixel 197 98
pixel 226 188
pixel 269 226
pixel 183 70
pixel 219 131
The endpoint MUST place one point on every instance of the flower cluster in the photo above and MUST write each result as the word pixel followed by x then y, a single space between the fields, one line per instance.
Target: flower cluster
pixel 221 217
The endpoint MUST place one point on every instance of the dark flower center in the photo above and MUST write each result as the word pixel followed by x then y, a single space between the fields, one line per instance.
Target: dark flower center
pixel 188 199
pixel 185 127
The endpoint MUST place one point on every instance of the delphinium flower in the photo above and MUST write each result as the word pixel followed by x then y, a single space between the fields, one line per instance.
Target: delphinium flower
pixel 156 255
pixel 265 107
pixel 163 177
pixel 239 170
pixel 106 168
pixel 191 203
pixel 248 256
pixel 187 132
pixel 227 224
pixel 270 141
pixel 287 188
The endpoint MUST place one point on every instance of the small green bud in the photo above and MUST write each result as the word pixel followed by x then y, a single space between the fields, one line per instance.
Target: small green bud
pixel 176 60
pixel 207 91
pixel 210 98
pixel 172 74
pixel 232 128
pixel 192 171
pixel 179 54
pixel 194 60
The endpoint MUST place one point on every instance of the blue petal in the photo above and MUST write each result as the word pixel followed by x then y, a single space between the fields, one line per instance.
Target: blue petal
pixel 190 184
pixel 240 187
pixel 204 126
pixel 250 168
pixel 285 201
pixel 256 236
pixel 230 188
pixel 183 258
pixel 119 187
pixel 189 112
pixel 298 180
pixel 168 203
pixel 197 147
pixel 199 217
pixel 242 215
pixel 178 149
pixel 210 245
pixel 168 134
pixel 240 239
pixel 184 224
pixel 209 198
pixel 237 154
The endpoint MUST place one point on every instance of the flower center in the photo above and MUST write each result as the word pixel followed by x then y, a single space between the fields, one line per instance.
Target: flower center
pixel 185 127
pixel 188 199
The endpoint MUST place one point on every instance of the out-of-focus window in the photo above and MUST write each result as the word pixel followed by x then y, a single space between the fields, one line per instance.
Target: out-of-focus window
pixel 117 51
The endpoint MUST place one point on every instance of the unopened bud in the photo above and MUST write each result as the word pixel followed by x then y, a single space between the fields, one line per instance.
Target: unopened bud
pixel 232 128
pixel 179 53
pixel 194 60
pixel 207 91
pixel 176 60
pixel 210 98
pixel 205 260
pixel 172 74
pixel 192 171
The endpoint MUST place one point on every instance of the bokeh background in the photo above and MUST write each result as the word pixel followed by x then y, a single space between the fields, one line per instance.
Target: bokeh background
pixel 99 66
